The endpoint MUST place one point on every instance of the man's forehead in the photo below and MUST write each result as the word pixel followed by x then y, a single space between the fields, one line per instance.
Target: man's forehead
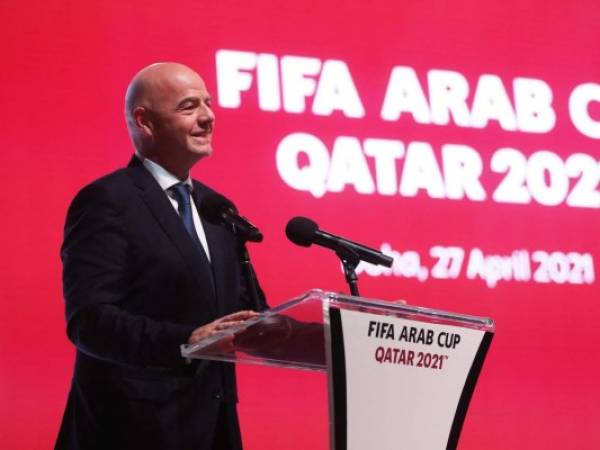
pixel 177 88
pixel 180 82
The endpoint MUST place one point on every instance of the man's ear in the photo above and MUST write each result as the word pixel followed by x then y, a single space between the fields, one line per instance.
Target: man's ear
pixel 142 121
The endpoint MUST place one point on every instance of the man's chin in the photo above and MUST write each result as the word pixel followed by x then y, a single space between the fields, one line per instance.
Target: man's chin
pixel 202 151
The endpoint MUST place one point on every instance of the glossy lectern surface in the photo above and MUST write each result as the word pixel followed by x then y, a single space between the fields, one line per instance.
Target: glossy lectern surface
pixel 293 334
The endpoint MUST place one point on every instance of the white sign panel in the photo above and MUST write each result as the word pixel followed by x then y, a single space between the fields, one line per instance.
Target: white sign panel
pixel 407 383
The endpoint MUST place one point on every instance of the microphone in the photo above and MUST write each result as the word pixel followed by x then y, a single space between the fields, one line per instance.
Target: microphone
pixel 219 210
pixel 304 232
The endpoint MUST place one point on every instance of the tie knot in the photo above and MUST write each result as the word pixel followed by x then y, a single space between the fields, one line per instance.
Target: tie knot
pixel 181 192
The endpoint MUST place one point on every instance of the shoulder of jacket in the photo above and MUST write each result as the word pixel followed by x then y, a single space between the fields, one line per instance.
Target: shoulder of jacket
pixel 203 188
pixel 110 186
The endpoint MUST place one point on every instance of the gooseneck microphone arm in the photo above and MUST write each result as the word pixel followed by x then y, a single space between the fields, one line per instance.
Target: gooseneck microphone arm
pixel 350 260
pixel 250 277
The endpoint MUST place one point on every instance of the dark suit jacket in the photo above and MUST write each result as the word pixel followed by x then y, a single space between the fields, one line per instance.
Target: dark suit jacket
pixel 135 287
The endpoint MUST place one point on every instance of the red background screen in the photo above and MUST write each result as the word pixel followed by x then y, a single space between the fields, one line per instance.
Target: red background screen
pixel 462 135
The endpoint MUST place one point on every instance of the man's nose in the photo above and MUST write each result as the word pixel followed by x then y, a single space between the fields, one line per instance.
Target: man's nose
pixel 206 114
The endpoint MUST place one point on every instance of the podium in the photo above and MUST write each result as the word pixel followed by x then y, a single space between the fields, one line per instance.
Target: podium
pixel 400 376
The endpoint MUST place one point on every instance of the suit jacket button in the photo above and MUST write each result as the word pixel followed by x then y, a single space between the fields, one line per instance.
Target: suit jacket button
pixel 218 396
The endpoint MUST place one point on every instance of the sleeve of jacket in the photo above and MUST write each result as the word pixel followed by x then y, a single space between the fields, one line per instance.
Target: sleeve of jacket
pixel 95 277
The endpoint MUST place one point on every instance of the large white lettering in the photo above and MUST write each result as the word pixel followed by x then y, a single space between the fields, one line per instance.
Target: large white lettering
pixel 579 102
pixel 329 83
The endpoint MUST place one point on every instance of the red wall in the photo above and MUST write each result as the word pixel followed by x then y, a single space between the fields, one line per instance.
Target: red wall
pixel 65 67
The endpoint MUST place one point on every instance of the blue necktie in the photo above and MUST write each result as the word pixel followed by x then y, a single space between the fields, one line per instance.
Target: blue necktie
pixel 182 195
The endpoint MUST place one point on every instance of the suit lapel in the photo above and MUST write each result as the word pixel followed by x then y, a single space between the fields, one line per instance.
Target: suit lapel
pixel 164 213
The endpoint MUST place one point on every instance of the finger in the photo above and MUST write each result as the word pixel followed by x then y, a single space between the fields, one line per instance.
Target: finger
pixel 240 315
pixel 200 333
pixel 227 324
pixel 194 338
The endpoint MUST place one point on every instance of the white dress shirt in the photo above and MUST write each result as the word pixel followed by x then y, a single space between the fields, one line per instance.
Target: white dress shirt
pixel 166 180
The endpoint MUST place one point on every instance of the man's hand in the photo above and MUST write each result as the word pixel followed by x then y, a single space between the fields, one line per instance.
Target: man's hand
pixel 220 324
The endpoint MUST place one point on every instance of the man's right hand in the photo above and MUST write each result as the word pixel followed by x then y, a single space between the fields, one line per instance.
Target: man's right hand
pixel 220 324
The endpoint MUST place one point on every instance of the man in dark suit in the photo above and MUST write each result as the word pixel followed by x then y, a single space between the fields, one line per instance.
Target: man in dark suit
pixel 143 274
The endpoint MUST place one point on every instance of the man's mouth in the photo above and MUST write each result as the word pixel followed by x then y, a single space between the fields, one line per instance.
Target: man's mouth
pixel 204 134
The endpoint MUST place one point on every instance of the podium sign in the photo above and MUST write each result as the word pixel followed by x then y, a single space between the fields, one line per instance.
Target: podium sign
pixel 400 376
pixel 399 383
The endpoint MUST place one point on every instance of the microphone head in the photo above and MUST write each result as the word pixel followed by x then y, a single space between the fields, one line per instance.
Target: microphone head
pixel 301 231
pixel 219 210
pixel 213 206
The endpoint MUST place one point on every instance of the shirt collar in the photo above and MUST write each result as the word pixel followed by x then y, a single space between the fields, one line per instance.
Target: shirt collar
pixel 162 176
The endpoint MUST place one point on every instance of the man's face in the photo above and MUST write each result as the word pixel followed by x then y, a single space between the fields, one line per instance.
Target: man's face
pixel 182 117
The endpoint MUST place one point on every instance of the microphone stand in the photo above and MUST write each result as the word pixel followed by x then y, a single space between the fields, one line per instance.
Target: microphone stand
pixel 350 260
pixel 249 275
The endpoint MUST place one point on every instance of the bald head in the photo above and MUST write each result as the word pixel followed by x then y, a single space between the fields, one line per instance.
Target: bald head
pixel 168 114
pixel 151 84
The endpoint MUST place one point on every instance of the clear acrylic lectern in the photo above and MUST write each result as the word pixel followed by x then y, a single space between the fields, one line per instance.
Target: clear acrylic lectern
pixel 293 334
